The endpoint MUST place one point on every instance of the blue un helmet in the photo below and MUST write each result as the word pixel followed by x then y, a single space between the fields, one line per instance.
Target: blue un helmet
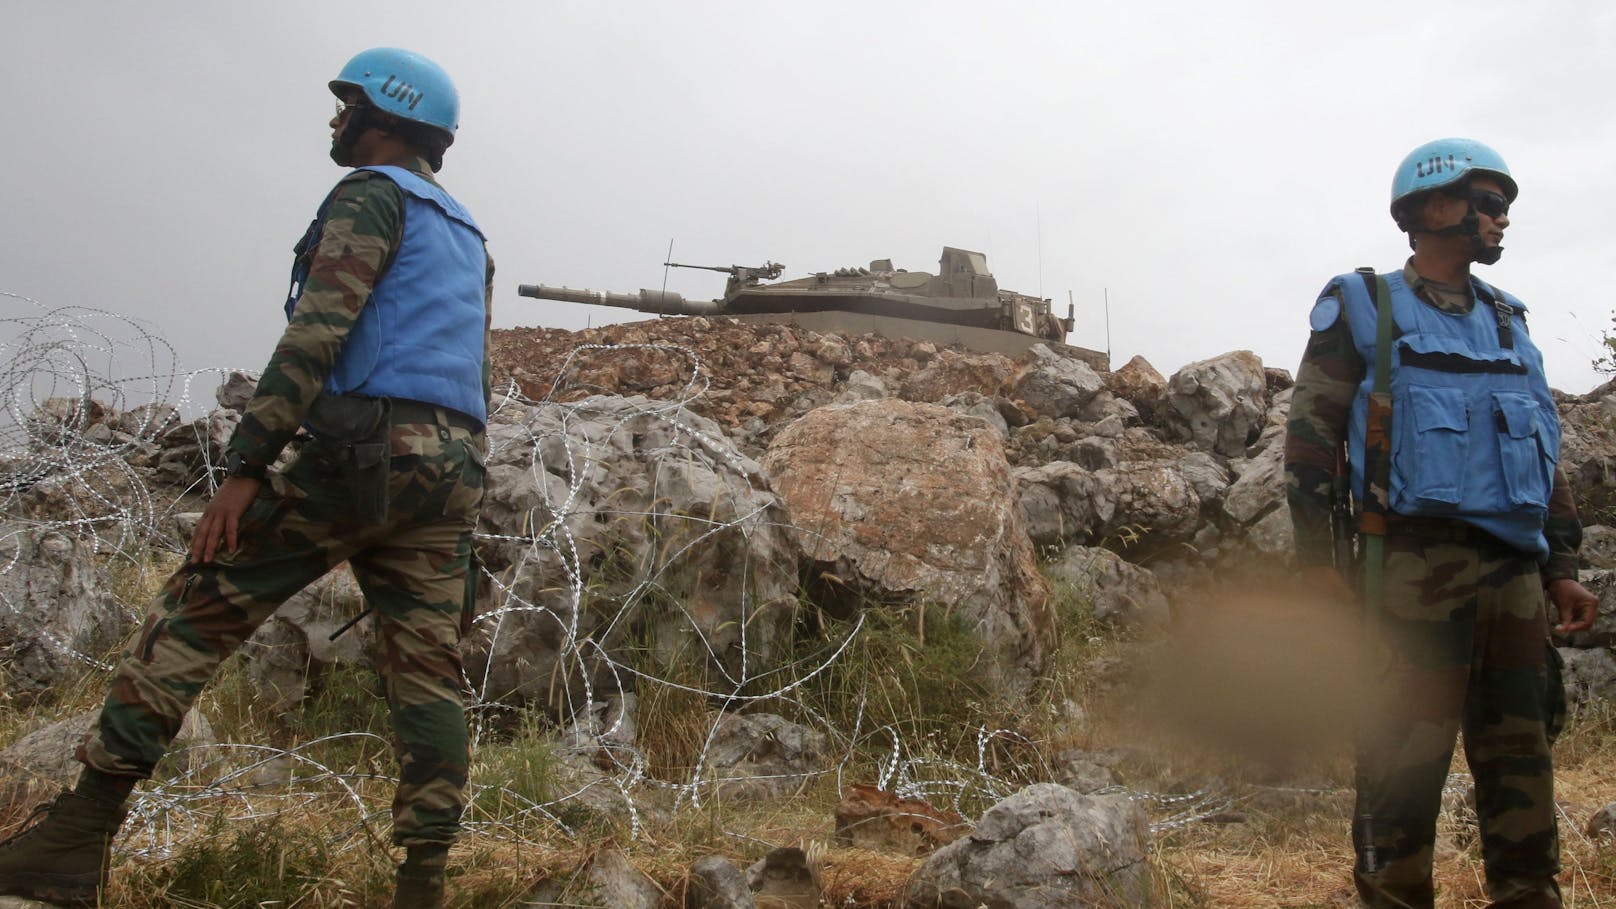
pixel 403 84
pixel 1446 162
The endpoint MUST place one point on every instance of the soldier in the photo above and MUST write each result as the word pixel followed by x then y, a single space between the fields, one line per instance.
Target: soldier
pixel 384 361
pixel 1427 380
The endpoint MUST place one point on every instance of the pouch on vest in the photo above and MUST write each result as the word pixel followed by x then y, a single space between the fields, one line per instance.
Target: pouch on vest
pixel 358 430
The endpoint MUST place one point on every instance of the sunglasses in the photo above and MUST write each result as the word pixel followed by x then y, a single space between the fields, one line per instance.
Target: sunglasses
pixel 1489 203
pixel 347 106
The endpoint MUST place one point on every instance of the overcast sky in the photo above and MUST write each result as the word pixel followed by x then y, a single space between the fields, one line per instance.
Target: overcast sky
pixel 1207 165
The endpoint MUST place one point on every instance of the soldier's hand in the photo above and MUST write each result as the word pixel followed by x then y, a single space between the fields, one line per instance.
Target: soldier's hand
pixel 221 518
pixel 1576 604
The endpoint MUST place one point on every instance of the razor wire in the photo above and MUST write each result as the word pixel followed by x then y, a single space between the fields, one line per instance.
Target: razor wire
pixel 90 401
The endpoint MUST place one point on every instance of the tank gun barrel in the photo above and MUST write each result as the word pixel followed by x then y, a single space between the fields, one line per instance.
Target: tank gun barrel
pixel 657 301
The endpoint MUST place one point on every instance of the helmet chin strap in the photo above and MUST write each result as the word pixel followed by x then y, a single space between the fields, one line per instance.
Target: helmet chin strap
pixel 1470 226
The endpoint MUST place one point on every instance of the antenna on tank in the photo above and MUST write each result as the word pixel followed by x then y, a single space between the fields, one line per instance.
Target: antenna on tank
pixel 667 265
pixel 1108 325
pixel 1038 221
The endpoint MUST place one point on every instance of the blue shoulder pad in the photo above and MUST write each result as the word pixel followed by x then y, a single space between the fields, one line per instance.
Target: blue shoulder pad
pixel 1326 311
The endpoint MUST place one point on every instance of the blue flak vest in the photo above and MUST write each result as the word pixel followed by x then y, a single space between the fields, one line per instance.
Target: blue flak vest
pixel 420 335
pixel 1475 432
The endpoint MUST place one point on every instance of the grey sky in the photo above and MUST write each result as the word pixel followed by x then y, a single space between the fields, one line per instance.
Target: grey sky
pixel 1209 165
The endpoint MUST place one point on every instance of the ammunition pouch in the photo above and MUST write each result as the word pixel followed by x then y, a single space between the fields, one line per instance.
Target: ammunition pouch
pixel 356 431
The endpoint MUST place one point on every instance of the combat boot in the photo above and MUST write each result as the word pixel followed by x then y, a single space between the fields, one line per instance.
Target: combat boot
pixel 63 857
pixel 420 878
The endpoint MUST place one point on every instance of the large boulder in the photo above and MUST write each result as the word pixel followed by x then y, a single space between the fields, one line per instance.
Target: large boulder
pixel 906 501
pixel 1138 383
pixel 57 618
pixel 625 533
pixel 1144 493
pixel 1045 847
pixel 1218 405
pixel 1055 385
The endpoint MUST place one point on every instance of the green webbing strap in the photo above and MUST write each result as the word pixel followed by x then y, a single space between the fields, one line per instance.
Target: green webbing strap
pixel 1377 454
pixel 1372 528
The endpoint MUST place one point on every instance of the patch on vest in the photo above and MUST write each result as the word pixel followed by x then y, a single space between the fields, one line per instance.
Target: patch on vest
pixel 1325 312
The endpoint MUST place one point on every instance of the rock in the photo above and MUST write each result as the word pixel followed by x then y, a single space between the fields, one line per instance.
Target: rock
pixel 1257 496
pixel 1054 385
pixel 1045 847
pixel 616 493
pixel 235 391
pixel 47 752
pixel 861 386
pixel 1122 593
pixel 1206 475
pixel 1588 455
pixel 57 619
pixel 1602 826
pixel 786 878
pixel 17 902
pixel 1590 674
pixel 1218 405
pixel 914 501
pixel 190 450
pixel 951 373
pixel 868 817
pixel 715 883
pixel 1598 546
pixel 980 406
pixel 293 647
pixel 1106 407
pixel 1145 497
pixel 1138 383
pixel 1086 772
pixel 762 756
pixel 607 881
pixel 148 421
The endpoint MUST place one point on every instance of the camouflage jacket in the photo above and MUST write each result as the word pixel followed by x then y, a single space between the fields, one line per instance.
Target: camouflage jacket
pixel 362 232
pixel 1321 403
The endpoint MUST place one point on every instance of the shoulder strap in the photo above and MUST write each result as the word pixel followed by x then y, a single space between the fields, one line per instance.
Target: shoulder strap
pixel 1501 310
pixel 1377 446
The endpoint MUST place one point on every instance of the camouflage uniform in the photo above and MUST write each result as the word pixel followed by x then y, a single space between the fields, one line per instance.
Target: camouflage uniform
pixel 1465 632
pixel 413 567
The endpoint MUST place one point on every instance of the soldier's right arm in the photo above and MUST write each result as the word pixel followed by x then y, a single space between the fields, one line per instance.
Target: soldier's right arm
pixel 1321 403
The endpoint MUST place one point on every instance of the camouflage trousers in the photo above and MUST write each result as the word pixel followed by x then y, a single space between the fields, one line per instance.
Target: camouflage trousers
pixel 1466 650
pixel 414 571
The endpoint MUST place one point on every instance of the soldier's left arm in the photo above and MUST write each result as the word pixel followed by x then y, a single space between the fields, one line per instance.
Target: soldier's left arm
pixel 1575 604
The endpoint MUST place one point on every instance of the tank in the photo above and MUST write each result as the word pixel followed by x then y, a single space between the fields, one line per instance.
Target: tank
pixel 963 295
